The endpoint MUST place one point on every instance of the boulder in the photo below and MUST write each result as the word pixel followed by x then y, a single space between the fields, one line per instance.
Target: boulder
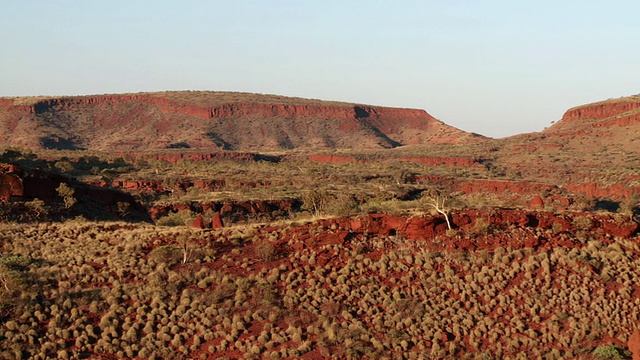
pixel 536 203
pixel 198 223
pixel 216 221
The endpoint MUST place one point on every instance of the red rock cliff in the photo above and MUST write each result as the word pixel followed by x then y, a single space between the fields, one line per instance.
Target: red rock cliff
pixel 621 112
pixel 213 120
pixel 229 110
pixel 601 110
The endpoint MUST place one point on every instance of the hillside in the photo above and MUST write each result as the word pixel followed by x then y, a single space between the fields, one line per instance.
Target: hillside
pixel 212 120
pixel 458 247
pixel 598 116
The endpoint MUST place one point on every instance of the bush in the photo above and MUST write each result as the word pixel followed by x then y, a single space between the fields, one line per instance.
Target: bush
pixel 629 205
pixel 343 205
pixel 37 208
pixel 480 227
pixel 582 223
pixel 608 352
pixel 316 201
pixel 180 218
pixel 64 166
pixel 265 250
pixel 169 255
pixel 66 193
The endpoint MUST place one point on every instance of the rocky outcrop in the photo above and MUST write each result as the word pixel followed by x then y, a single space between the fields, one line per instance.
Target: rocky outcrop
pixel 618 190
pixel 616 112
pixel 233 110
pixel 235 211
pixel 19 185
pixel 10 186
pixel 536 203
pixel 432 229
pixel 601 110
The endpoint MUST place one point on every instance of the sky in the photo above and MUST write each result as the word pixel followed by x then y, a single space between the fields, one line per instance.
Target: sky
pixel 493 67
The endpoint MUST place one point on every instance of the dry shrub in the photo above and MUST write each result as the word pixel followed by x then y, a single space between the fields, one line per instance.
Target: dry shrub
pixel 480 227
pixel 169 255
pixel 180 218
pixel 265 250
pixel 316 201
pixel 583 203
pixel 343 205
pixel 11 274
pixel 582 223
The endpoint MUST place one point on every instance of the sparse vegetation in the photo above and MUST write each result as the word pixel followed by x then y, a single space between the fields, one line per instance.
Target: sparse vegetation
pixel 228 302
pixel 66 192
pixel 346 256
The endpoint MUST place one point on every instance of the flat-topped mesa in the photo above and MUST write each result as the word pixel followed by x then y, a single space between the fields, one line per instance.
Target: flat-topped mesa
pixel 614 112
pixel 213 120
pixel 601 110
pixel 228 110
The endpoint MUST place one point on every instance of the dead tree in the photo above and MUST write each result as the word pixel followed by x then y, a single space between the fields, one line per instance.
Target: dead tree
pixel 439 201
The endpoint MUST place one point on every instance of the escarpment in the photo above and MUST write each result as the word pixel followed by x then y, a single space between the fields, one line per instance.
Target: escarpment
pixel 210 120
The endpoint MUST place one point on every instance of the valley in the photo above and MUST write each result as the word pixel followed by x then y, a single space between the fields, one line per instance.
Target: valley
pixel 233 225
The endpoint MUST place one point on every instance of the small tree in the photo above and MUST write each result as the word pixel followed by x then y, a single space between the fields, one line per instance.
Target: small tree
pixel 7 277
pixel 186 247
pixel 66 192
pixel 439 201
pixel 315 201
pixel 124 209
pixel 38 208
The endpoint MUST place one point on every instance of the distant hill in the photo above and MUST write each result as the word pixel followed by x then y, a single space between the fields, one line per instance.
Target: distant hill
pixel 623 111
pixel 213 120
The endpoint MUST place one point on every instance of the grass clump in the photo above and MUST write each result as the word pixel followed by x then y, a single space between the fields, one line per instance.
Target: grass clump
pixel 609 352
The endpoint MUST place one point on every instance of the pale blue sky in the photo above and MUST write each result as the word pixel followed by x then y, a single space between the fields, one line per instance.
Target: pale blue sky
pixel 494 67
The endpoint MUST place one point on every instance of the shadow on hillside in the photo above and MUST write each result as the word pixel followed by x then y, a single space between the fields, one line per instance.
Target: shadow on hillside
pixel 57 143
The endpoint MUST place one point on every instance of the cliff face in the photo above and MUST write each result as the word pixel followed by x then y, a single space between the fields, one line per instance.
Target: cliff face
pixel 617 112
pixel 600 110
pixel 157 121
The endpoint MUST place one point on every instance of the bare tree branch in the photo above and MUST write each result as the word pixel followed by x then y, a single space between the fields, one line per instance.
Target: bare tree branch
pixel 439 202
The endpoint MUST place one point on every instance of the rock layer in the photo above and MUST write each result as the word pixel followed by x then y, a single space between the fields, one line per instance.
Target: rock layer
pixel 206 120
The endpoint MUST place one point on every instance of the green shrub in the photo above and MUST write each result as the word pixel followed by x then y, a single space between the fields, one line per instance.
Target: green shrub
pixel 180 218
pixel 608 352
pixel 66 192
